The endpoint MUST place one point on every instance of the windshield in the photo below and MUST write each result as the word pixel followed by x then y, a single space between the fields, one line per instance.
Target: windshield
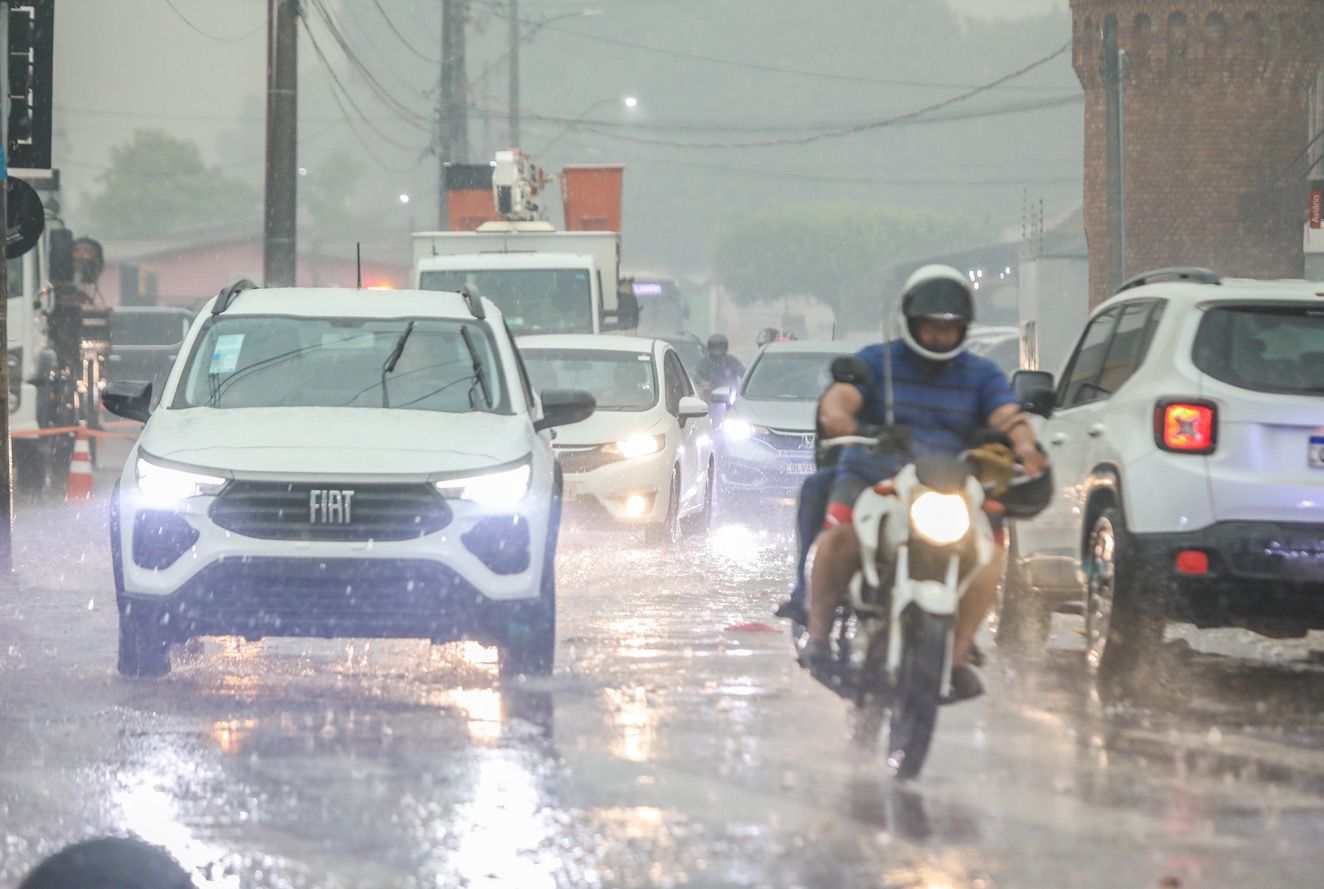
pixel 620 381
pixel 789 376
pixel 279 361
pixel 1269 349
pixel 532 300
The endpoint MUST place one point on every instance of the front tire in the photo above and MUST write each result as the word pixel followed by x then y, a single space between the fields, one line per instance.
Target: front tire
pixel 914 711
pixel 1124 619
pixel 701 522
pixel 529 645
pixel 668 532
pixel 144 648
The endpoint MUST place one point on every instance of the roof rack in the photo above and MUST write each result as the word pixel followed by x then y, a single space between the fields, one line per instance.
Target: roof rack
pixel 473 301
pixel 227 294
pixel 1194 275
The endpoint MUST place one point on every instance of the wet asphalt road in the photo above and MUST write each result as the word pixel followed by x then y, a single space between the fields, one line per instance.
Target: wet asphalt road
pixel 671 748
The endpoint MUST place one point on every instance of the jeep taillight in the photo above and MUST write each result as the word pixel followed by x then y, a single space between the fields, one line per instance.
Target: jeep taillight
pixel 1187 427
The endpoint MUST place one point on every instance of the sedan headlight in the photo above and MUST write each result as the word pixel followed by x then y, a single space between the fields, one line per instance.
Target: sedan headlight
pixel 503 488
pixel 941 519
pixel 740 430
pixel 637 446
pixel 166 484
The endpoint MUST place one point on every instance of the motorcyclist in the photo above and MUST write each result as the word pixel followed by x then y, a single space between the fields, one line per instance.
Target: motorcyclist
pixel 942 395
pixel 718 368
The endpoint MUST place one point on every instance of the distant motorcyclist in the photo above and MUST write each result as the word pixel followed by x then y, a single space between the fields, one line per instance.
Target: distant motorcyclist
pixel 718 368
pixel 943 395
pixel 767 335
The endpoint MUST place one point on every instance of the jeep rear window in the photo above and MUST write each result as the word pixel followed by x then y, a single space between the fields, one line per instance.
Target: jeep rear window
pixel 1264 348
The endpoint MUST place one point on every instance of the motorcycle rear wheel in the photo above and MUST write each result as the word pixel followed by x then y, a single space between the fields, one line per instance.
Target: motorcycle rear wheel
pixel 914 706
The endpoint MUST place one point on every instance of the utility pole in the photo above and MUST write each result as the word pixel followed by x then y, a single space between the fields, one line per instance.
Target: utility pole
pixel 452 101
pixel 513 99
pixel 1112 77
pixel 279 257
pixel 6 449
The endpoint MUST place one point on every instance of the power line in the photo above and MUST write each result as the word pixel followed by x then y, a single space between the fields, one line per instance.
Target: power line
pixel 401 37
pixel 797 127
pixel 916 116
pixel 871 180
pixel 336 96
pixel 758 66
pixel 408 115
pixel 185 19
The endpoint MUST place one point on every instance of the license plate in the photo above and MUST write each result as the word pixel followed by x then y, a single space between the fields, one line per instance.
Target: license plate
pixel 802 469
pixel 1315 453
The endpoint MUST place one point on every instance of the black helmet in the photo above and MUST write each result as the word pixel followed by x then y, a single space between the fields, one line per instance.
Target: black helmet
pixel 767 335
pixel 1028 496
pixel 939 293
pixel 718 341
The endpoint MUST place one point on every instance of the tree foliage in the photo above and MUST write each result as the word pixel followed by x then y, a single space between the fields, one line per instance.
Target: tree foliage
pixel 845 254
pixel 158 185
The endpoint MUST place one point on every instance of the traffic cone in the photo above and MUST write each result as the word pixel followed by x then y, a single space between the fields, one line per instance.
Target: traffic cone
pixel 79 486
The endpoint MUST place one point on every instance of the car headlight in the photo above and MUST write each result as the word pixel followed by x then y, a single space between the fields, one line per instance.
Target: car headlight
pixel 941 519
pixel 165 484
pixel 740 430
pixel 503 488
pixel 635 446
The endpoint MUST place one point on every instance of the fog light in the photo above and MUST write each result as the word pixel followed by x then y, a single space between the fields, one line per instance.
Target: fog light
pixel 636 505
pixel 1192 561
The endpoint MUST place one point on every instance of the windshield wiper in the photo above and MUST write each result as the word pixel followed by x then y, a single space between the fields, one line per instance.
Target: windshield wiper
pixel 480 373
pixel 393 359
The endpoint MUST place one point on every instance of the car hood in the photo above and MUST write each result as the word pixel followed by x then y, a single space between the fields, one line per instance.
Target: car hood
pixel 791 416
pixel 320 440
pixel 607 426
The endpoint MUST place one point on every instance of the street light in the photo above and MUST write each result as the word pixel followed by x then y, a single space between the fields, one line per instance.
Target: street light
pixel 404 198
pixel 628 101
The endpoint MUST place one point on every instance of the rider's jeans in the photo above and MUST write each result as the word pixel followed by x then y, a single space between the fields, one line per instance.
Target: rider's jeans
pixel 814 494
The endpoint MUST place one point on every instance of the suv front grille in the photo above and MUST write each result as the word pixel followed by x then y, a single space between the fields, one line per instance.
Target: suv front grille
pixel 789 441
pixel 294 511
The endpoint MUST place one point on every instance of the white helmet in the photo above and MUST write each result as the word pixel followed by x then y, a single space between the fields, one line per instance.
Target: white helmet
pixel 938 293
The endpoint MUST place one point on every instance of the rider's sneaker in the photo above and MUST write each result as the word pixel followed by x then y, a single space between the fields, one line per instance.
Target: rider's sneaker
pixel 966 684
pixel 793 610
pixel 815 656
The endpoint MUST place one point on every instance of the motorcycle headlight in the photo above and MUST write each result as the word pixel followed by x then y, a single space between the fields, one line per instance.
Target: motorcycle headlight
pixel 166 484
pixel 637 446
pixel 503 488
pixel 941 519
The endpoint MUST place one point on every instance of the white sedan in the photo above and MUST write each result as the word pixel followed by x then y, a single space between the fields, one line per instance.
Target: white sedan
pixel 645 458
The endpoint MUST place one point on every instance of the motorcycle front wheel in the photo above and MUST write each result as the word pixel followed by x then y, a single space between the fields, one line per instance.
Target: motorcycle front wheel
pixel 914 706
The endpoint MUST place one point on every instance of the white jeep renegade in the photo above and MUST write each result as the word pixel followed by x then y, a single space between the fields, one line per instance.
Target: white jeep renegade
pixel 1187 439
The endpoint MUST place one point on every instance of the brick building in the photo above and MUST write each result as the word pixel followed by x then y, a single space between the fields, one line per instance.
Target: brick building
pixel 1217 105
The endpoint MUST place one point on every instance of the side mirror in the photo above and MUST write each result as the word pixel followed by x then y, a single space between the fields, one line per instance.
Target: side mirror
pixel 1035 390
pixel 851 369
pixel 720 395
pixel 693 407
pixel 129 399
pixel 561 407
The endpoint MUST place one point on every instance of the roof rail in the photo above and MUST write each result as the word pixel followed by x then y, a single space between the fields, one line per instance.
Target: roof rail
pixel 1194 275
pixel 227 294
pixel 474 301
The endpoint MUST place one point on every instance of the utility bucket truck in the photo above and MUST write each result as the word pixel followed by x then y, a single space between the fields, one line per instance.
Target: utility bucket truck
pixel 544 280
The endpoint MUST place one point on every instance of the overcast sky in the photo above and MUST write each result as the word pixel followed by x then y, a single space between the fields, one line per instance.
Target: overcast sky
pixel 1005 8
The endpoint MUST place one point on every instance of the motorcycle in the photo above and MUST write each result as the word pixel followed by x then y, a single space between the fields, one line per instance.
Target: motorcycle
pixel 924 536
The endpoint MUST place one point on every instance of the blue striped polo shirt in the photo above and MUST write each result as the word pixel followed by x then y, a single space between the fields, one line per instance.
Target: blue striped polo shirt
pixel 942 408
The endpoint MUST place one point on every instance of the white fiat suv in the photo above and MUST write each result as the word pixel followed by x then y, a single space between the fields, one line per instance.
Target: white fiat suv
pixel 645 458
pixel 1187 440
pixel 331 462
